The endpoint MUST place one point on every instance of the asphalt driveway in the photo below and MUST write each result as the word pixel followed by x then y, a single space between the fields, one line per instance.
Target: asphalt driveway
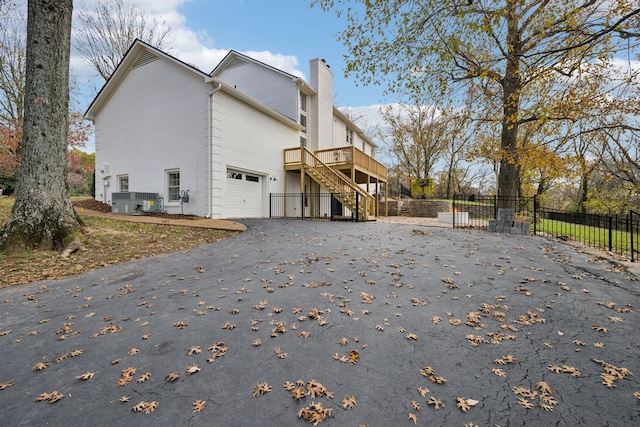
pixel 344 324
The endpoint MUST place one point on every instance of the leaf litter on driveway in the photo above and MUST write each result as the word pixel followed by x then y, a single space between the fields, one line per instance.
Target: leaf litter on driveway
pixel 536 333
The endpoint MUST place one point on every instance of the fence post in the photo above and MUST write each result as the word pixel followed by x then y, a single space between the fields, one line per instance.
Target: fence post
pixel 495 206
pixel 270 202
pixel 453 214
pixel 357 206
pixel 610 218
pixel 302 205
pixel 535 214
pixel 631 233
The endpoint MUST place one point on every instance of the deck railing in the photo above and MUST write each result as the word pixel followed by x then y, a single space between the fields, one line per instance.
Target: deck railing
pixel 334 180
pixel 352 155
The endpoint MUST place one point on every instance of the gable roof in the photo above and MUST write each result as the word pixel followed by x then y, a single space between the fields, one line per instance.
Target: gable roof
pixel 235 59
pixel 139 53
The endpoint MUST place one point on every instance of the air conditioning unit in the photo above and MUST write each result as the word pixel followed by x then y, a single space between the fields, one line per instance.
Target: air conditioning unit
pixel 135 203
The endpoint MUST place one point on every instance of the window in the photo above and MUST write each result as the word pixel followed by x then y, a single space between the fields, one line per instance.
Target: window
pixel 349 136
pixel 303 119
pixel 234 175
pixel 123 183
pixel 303 122
pixel 303 102
pixel 252 178
pixel 173 185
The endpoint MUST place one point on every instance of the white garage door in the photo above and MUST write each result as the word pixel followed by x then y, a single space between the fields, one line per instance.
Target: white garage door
pixel 244 195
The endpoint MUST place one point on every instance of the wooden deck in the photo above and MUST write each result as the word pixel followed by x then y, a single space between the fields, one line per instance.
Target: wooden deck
pixel 352 162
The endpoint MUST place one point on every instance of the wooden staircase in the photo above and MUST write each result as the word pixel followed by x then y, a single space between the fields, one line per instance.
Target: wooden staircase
pixel 349 194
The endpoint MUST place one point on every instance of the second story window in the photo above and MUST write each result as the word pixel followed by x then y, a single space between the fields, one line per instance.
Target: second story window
pixel 349 136
pixel 303 119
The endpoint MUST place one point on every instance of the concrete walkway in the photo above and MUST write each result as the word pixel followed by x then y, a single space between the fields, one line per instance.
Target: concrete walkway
pixel 378 322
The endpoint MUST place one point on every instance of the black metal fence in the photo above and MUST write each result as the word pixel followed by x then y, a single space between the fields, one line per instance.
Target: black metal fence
pixel 618 234
pixel 311 206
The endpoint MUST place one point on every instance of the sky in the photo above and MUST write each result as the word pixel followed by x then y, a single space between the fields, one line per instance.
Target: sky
pixel 286 34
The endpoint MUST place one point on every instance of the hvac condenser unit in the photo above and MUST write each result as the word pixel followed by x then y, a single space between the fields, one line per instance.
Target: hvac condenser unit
pixel 135 203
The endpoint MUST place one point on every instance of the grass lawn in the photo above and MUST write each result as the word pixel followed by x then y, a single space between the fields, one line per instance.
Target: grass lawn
pixel 107 242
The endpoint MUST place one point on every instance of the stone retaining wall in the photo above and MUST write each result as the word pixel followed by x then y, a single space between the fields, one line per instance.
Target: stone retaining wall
pixel 417 208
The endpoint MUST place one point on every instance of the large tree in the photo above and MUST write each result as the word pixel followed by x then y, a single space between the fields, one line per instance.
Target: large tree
pixel 42 215
pixel 106 33
pixel 506 48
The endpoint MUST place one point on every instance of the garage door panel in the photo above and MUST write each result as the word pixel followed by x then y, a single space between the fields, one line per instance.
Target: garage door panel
pixel 244 195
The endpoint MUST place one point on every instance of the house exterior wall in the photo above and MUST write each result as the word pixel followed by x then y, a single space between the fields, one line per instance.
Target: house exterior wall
pixel 249 141
pixel 156 121
pixel 267 86
pixel 340 136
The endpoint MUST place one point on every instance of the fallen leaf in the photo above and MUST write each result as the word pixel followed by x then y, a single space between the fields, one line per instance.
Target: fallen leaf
pixel 412 337
pixel 499 372
pixel 423 391
pixel 199 405
pixel 437 403
pixel 52 397
pixel 413 418
pixel 261 389
pixel 462 404
pixel 85 376
pixel 415 405
pixel 427 371
pixel 40 366
pixel 133 351
pixel 298 393
pixel 289 385
pixel 525 403
pixel 544 387
pixel 196 349
pixel 192 369
pixel 343 341
pixel 6 384
pixel 171 377
pixel 144 377
pixel 349 402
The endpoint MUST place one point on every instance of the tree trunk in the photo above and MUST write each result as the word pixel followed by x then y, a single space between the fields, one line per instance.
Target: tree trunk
pixel 43 215
pixel 511 85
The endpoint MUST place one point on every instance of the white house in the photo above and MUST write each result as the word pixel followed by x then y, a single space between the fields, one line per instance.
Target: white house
pixel 230 138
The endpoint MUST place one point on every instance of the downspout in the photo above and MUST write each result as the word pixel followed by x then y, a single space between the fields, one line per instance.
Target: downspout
pixel 210 137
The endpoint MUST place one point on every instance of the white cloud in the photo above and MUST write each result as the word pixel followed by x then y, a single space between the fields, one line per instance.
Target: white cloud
pixel 195 48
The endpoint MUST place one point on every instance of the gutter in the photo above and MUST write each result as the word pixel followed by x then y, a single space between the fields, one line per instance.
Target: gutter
pixel 210 141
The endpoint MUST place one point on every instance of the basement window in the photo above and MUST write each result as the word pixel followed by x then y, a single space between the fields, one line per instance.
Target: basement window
pixel 123 183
